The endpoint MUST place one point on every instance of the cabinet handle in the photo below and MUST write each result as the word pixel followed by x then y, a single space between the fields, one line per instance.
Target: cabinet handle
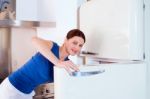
pixel 87 73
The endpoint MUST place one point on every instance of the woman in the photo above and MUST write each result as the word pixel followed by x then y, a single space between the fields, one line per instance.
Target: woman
pixel 39 69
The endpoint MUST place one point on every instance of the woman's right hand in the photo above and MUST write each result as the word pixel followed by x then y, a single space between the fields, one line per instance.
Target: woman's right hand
pixel 68 65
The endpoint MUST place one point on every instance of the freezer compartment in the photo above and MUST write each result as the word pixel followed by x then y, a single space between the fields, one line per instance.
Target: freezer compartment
pixel 113 81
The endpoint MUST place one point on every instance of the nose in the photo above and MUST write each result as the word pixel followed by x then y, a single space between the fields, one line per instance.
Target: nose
pixel 78 48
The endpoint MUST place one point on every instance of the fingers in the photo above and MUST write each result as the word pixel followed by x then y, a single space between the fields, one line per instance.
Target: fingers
pixel 72 66
pixel 69 66
pixel 68 70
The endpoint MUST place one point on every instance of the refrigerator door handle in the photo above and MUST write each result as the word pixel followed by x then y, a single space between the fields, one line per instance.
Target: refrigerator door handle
pixel 86 73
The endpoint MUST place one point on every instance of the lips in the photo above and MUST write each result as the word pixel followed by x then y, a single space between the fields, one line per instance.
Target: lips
pixel 74 51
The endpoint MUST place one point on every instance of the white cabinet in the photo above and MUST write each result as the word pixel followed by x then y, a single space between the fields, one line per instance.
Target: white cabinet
pixel 26 10
pixel 119 81
pixel 36 10
pixel 46 10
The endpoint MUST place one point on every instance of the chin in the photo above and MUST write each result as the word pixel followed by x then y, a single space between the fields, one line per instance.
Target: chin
pixel 73 54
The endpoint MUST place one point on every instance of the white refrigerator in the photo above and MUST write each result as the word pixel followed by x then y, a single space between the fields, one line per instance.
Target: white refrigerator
pixel 115 32
pixel 106 81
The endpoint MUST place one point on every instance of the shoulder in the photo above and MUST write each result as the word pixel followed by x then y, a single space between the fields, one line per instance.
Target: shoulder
pixel 55 47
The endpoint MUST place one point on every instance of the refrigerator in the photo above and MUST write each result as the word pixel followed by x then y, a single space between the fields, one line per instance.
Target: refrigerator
pixel 105 81
pixel 115 60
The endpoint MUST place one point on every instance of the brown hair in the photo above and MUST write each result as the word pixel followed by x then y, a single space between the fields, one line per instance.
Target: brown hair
pixel 75 32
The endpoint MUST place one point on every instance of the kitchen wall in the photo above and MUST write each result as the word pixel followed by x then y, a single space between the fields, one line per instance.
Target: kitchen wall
pixel 22 48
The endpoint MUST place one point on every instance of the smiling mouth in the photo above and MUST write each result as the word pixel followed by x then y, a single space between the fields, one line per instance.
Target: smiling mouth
pixel 74 51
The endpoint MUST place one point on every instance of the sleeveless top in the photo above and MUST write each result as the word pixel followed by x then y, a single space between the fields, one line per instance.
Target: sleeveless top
pixel 36 71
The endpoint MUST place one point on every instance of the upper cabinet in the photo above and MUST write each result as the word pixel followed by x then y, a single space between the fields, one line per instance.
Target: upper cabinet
pixel 37 10
pixel 26 10
pixel 27 13
pixel 46 10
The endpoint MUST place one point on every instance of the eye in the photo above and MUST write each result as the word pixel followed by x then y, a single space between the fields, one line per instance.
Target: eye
pixel 80 45
pixel 75 43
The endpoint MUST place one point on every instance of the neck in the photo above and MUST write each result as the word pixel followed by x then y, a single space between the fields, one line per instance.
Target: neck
pixel 62 53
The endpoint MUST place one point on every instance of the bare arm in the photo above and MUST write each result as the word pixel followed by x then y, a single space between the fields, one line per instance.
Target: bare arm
pixel 44 46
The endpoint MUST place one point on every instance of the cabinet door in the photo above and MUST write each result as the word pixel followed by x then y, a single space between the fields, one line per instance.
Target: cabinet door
pixel 119 81
pixel 46 10
pixel 26 10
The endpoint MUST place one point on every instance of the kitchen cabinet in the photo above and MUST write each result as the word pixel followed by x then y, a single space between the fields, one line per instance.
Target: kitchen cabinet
pixel 26 10
pixel 36 10
pixel 23 13
pixel 46 10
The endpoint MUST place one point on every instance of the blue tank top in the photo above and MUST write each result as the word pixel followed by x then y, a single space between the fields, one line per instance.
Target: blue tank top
pixel 36 71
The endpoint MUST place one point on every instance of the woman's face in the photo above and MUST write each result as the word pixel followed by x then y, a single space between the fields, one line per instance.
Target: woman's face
pixel 74 45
